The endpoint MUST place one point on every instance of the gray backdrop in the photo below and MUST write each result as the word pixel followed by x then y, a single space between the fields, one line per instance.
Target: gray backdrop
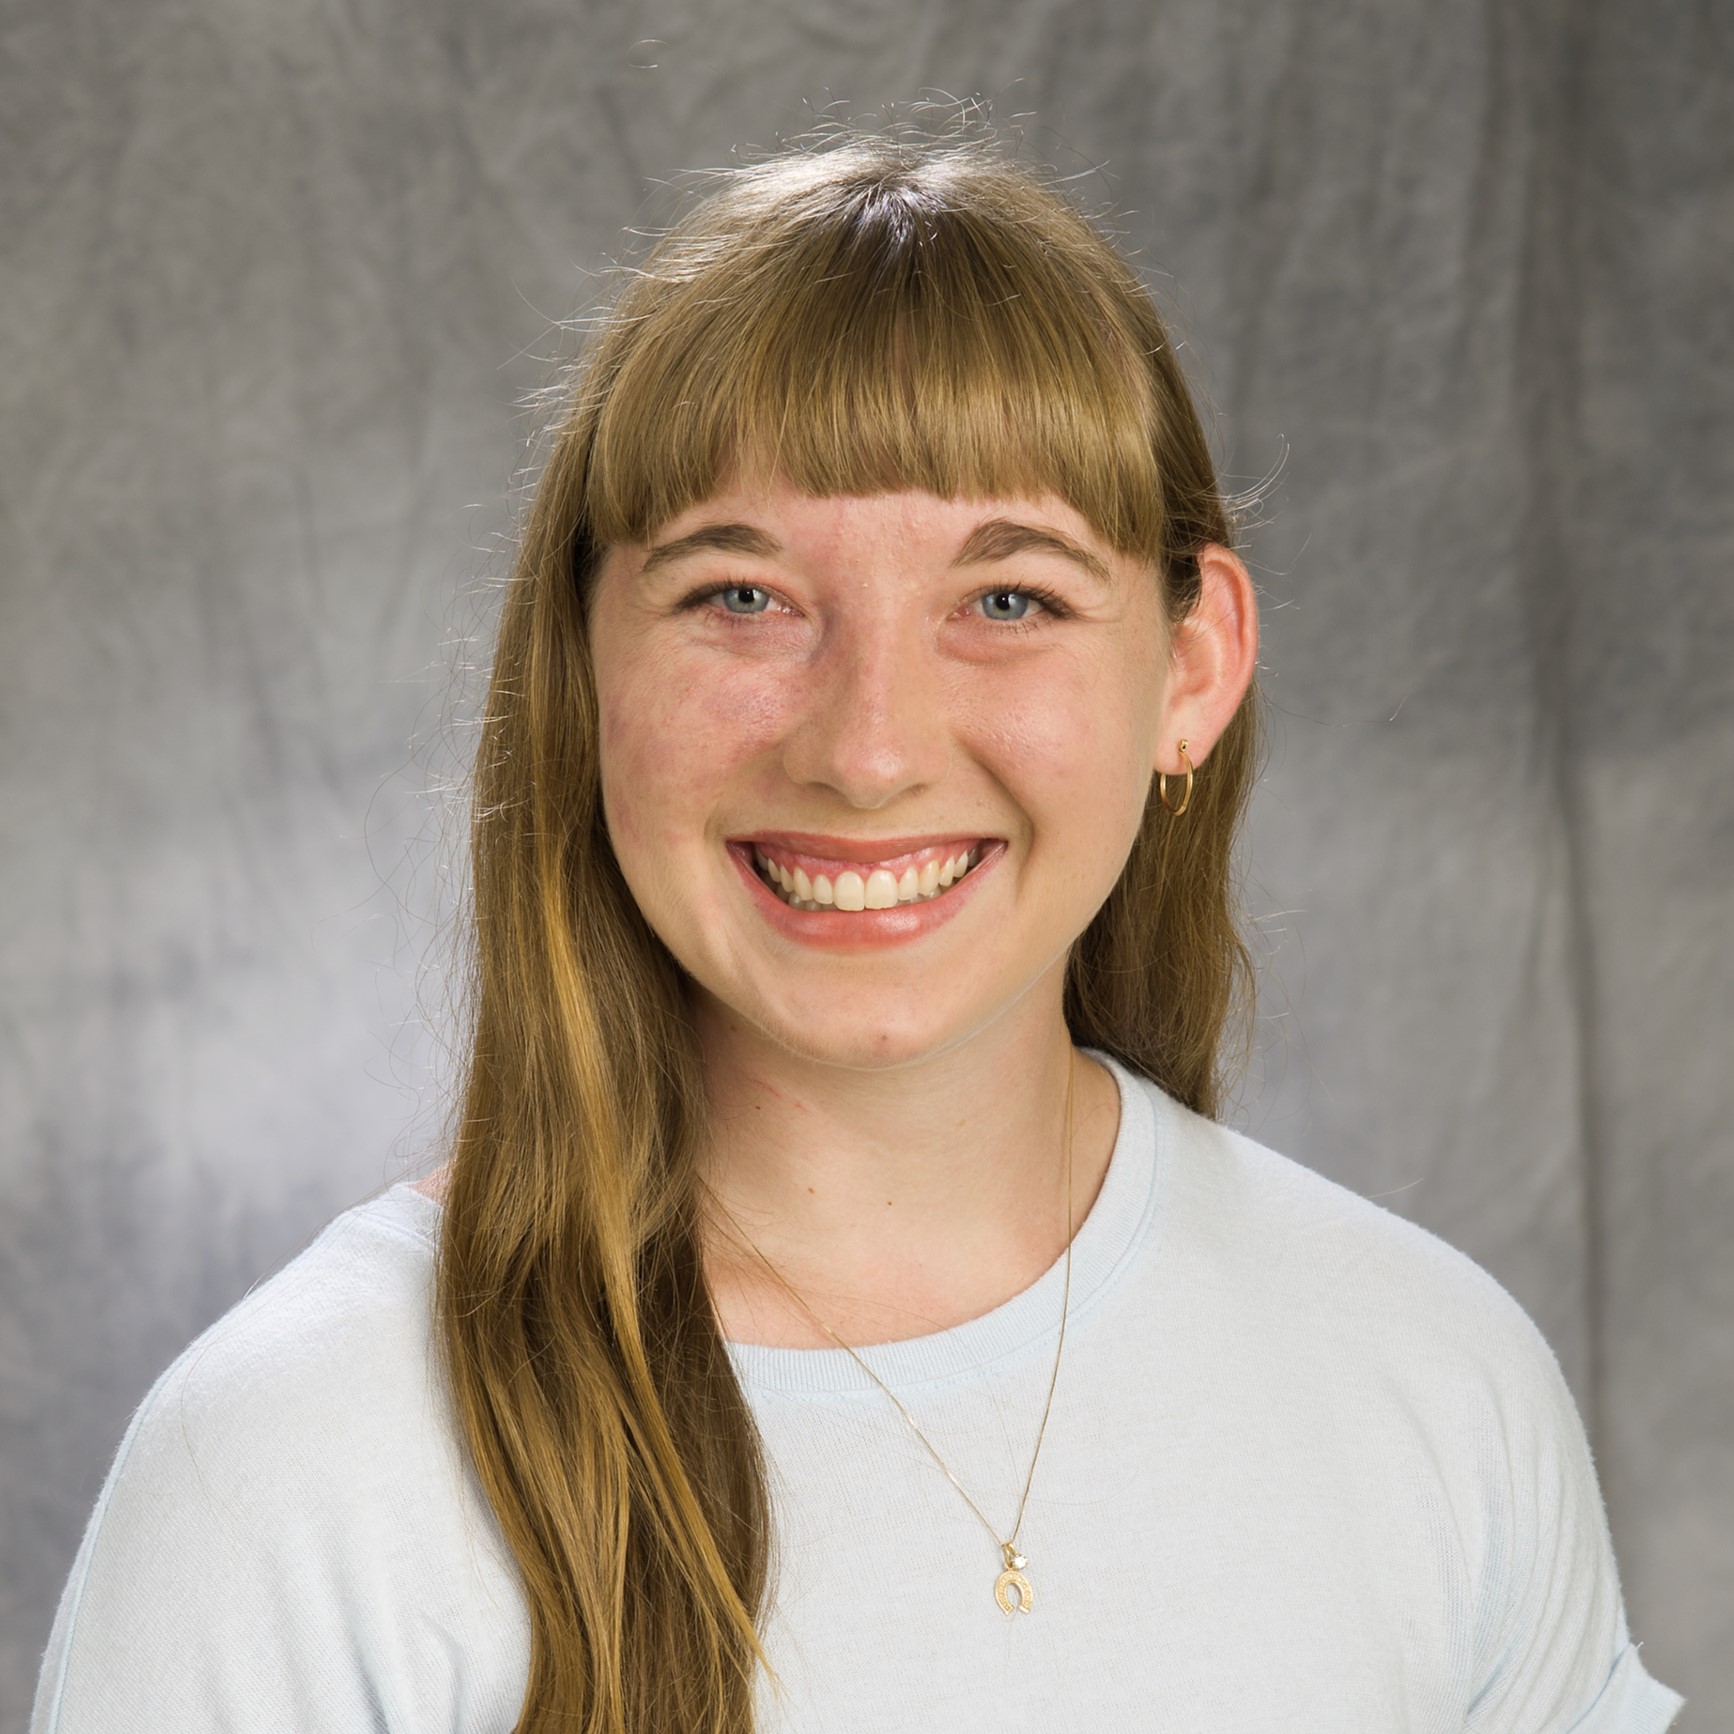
pixel 273 280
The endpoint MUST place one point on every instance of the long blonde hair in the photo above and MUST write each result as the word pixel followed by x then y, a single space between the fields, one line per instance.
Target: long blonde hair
pixel 873 316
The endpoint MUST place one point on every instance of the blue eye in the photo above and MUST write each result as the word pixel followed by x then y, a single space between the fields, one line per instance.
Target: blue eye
pixel 1016 601
pixel 733 593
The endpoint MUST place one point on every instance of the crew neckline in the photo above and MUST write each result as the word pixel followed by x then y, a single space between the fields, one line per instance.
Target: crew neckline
pixel 1102 1246
pixel 1027 1323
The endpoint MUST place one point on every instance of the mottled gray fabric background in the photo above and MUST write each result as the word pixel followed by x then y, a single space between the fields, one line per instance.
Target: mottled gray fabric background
pixel 274 279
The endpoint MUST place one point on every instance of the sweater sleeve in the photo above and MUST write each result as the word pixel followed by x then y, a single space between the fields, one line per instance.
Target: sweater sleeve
pixel 1556 1655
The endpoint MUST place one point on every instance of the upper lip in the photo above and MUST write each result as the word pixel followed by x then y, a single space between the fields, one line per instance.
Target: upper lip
pixel 859 848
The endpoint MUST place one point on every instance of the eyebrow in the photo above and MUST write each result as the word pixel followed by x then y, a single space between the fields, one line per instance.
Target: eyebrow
pixel 996 539
pixel 1001 538
pixel 712 538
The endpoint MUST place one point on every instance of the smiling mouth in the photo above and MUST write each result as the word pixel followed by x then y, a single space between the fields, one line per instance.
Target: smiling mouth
pixel 922 879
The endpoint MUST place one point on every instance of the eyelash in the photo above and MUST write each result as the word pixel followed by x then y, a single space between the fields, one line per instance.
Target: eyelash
pixel 1052 603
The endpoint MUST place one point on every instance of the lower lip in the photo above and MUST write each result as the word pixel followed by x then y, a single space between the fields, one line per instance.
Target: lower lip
pixel 867 929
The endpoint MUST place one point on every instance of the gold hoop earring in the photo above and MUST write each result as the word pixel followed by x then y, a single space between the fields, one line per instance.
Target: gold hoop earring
pixel 1185 794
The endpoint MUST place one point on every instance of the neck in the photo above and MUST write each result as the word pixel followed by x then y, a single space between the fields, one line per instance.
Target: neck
pixel 896 1201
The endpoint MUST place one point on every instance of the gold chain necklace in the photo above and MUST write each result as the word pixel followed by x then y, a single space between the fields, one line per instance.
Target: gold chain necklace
pixel 1011 1589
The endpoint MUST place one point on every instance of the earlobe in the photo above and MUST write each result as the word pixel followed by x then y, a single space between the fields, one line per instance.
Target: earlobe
pixel 1213 655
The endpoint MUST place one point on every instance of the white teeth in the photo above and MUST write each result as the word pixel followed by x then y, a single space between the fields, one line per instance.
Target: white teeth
pixel 878 890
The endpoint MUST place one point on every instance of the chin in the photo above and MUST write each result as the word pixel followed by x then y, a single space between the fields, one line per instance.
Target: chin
pixel 855 1038
pixel 872 1051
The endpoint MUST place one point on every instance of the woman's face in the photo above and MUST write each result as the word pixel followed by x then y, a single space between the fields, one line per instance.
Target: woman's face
pixel 860 691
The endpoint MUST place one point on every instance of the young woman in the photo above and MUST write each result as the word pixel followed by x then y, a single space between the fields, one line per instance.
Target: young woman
pixel 840 1309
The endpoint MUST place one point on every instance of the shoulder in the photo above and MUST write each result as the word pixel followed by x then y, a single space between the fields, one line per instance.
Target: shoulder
pixel 1338 1307
pixel 319 1366
pixel 1409 1379
pixel 1313 1254
pixel 290 1520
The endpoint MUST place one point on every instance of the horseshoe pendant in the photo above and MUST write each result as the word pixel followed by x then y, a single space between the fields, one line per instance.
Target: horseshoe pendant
pixel 1011 1589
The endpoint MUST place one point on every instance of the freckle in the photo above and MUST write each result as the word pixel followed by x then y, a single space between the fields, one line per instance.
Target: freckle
pixel 812 1189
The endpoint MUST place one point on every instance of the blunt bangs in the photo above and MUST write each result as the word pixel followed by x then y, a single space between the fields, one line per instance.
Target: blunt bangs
pixel 852 331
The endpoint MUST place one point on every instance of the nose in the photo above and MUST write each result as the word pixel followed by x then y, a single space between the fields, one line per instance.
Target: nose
pixel 874 722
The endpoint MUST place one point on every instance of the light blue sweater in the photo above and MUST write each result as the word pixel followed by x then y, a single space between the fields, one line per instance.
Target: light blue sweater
pixel 1309 1471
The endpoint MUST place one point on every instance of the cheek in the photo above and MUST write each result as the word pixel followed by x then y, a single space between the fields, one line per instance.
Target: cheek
pixel 1078 749
pixel 673 738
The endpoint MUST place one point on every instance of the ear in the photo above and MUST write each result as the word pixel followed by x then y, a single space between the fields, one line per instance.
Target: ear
pixel 1212 655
